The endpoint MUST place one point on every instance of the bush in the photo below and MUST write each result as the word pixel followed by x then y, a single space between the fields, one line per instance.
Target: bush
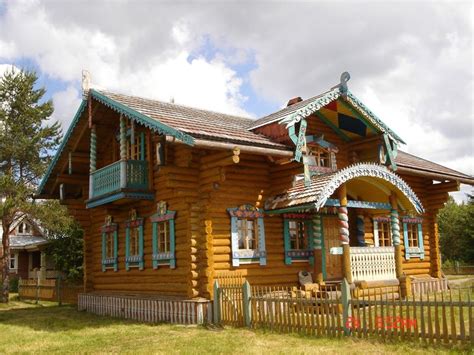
pixel 14 284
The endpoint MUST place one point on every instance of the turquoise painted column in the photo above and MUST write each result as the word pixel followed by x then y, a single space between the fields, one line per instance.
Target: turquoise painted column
pixel 93 160
pixel 123 153
pixel 319 264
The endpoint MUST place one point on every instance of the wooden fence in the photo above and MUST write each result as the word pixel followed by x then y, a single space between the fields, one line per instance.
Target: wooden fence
pixel 440 317
pixel 49 290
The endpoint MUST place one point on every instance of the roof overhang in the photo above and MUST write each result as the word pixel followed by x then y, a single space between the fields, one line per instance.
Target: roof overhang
pixel 360 179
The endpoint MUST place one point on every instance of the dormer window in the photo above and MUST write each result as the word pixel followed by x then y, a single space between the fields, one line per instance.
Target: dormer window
pixel 24 228
pixel 320 160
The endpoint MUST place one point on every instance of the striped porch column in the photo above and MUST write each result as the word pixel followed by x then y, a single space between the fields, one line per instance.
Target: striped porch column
pixel 344 234
pixel 395 229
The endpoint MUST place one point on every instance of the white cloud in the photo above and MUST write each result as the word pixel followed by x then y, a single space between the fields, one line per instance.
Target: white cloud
pixel 62 50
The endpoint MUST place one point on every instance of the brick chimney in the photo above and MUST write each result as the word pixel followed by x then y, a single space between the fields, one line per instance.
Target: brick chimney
pixel 294 101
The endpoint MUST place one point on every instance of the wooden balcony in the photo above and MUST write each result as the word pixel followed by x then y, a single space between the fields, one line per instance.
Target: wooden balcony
pixel 122 180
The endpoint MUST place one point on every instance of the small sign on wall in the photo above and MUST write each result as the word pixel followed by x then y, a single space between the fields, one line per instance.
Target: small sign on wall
pixel 335 251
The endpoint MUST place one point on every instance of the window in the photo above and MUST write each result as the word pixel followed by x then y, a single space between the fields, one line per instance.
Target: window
pixel 134 242
pixel 24 228
pixel 247 230
pixel 297 229
pixel 163 236
pixel 248 235
pixel 13 261
pixel 109 245
pixel 413 237
pixel 382 232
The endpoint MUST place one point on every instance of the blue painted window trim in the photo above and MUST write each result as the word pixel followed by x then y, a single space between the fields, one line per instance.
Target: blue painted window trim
pixel 134 260
pixel 241 256
pixel 413 252
pixel 164 258
pixel 298 255
pixel 109 263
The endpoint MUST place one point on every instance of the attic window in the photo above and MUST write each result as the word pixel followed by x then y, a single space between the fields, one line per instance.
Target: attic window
pixel 24 228
pixel 320 160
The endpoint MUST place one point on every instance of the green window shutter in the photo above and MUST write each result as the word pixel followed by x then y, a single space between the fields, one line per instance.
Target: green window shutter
pixel 376 234
pixel 155 243
pixel 420 242
pixel 172 244
pixel 141 263
pixel 127 248
pixel 405 240
pixel 309 226
pixel 234 241
pixel 261 241
pixel 104 241
pixel 115 250
pixel 286 236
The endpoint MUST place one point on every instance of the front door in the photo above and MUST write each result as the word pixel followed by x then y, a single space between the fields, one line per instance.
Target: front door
pixel 332 240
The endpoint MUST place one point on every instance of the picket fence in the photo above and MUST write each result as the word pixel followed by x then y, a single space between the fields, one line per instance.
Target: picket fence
pixel 151 309
pixel 439 317
pixel 55 290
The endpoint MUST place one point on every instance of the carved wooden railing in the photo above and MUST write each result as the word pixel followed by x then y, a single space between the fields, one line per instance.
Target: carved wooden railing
pixel 372 264
pixel 126 174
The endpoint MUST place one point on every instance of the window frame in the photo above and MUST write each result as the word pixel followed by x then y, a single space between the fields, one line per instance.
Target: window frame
pixel 413 252
pixel 303 255
pixel 15 262
pixel 163 215
pixel 137 260
pixel 247 256
pixel 376 223
pixel 109 229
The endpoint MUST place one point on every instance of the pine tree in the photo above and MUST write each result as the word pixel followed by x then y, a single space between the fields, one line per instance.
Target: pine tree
pixel 27 142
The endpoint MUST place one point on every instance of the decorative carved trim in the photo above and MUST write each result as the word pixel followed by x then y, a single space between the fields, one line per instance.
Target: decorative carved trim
pixel 370 170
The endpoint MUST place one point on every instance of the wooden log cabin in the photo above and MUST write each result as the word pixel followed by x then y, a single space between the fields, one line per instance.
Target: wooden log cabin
pixel 170 196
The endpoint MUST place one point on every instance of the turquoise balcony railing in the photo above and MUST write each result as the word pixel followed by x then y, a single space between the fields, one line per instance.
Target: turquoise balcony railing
pixel 119 176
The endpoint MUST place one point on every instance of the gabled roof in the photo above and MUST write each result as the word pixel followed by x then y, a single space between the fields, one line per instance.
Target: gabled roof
pixel 195 122
pixel 303 109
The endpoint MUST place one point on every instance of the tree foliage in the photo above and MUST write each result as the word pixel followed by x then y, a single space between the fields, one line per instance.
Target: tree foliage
pixel 65 238
pixel 27 144
pixel 456 227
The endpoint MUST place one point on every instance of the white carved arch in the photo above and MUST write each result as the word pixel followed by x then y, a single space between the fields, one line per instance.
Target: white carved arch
pixel 368 170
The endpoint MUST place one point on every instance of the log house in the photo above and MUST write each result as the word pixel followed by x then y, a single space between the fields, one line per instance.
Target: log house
pixel 170 196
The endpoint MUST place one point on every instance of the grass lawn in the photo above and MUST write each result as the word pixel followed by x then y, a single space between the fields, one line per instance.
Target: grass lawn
pixel 27 328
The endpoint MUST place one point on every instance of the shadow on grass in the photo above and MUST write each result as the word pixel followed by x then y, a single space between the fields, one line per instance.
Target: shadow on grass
pixel 53 318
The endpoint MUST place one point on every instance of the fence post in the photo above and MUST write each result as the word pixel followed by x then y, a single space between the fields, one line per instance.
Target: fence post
pixel 58 290
pixel 456 267
pixel 217 304
pixel 246 293
pixel 346 307
pixel 37 287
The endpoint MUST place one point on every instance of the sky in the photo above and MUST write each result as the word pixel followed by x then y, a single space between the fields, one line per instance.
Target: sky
pixel 411 62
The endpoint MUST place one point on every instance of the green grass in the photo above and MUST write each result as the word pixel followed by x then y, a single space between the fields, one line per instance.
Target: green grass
pixel 47 328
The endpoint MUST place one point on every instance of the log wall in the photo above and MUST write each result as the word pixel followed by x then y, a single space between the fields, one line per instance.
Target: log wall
pixel 200 185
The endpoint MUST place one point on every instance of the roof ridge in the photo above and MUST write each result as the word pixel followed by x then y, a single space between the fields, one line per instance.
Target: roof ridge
pixel 105 92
